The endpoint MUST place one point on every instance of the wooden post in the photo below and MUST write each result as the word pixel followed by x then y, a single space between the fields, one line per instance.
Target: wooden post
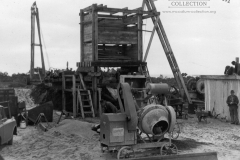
pixel 81 36
pixel 32 42
pixel 63 93
pixel 74 96
pixel 95 53
pixel 140 52
pixel 99 99
pixel 40 43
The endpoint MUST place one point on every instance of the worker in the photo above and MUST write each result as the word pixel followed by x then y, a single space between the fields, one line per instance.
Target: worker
pixel 229 70
pixel 232 102
pixel 237 67
pixel 107 107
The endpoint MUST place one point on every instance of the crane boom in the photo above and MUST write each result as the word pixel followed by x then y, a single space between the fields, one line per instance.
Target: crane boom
pixel 35 15
pixel 167 49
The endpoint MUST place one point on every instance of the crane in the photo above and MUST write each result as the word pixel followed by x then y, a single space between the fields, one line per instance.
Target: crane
pixel 35 16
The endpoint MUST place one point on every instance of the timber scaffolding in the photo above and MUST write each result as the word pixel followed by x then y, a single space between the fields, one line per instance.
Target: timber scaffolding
pixel 112 37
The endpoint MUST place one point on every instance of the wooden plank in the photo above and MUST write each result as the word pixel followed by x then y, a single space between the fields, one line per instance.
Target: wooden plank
pixel 192 156
pixel 150 16
pixel 109 16
pixel 80 102
pixel 119 37
pixel 87 17
pixel 74 96
pixel 91 104
pixel 110 10
pixel 63 93
pixel 140 52
pixel 81 36
pixel 130 20
pixel 96 37
pixel 88 57
pixel 132 52
pixel 110 48
pixel 99 99
pixel 220 77
pixel 117 28
pixel 93 31
pixel 87 48
pixel 117 12
pixel 94 90
pixel 110 22
pixel 87 29
pixel 117 63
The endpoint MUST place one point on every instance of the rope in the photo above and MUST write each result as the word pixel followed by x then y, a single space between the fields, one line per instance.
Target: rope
pixel 45 49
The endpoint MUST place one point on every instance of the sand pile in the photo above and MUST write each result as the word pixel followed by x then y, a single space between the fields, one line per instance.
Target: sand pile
pixel 71 139
pixel 75 127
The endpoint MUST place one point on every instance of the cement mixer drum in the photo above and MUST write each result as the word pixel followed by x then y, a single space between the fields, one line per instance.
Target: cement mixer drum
pixel 156 119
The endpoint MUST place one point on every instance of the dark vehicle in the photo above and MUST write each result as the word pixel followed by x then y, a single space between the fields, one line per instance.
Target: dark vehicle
pixel 8 127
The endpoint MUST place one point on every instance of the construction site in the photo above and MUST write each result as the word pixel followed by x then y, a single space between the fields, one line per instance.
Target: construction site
pixel 109 106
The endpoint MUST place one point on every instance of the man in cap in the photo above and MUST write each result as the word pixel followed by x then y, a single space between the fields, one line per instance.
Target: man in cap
pixel 232 102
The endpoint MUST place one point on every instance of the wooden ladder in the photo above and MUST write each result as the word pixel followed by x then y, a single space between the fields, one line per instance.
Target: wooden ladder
pixel 84 99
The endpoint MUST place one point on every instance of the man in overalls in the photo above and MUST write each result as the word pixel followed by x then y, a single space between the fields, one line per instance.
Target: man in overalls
pixel 232 102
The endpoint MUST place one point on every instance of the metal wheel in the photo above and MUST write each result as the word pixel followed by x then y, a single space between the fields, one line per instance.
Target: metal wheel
pixel 176 131
pixel 125 152
pixel 168 149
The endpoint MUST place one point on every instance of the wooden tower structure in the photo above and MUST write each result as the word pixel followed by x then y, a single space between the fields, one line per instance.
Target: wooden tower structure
pixel 111 37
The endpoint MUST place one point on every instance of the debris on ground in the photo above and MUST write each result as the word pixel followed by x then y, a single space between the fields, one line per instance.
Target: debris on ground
pixel 43 93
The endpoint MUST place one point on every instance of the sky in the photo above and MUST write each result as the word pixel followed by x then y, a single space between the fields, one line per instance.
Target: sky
pixel 203 43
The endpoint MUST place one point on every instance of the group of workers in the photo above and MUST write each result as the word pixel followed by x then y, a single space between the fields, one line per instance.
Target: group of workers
pixel 235 69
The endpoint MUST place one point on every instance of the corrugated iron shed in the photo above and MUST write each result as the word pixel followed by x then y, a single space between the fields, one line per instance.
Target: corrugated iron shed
pixel 217 89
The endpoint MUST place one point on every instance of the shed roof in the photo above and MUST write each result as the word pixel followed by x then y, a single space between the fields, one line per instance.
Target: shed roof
pixel 221 77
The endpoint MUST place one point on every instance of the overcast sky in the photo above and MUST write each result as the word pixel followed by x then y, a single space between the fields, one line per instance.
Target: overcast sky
pixel 203 43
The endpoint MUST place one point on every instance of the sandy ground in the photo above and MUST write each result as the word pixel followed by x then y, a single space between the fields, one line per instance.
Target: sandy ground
pixel 74 139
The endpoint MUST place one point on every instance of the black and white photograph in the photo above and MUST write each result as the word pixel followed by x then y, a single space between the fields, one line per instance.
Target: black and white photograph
pixel 119 79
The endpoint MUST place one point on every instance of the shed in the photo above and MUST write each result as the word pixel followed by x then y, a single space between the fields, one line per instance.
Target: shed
pixel 217 89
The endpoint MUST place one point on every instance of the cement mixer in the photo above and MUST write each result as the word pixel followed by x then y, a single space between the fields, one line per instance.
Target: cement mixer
pixel 138 127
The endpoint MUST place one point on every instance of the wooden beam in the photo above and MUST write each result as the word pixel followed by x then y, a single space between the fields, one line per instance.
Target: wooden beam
pixel 63 93
pixel 110 10
pixel 117 63
pixel 130 20
pixel 109 16
pixel 81 36
pixel 93 30
pixel 151 38
pixel 140 52
pixel 151 15
pixel 89 8
pixel 117 12
pixel 74 96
